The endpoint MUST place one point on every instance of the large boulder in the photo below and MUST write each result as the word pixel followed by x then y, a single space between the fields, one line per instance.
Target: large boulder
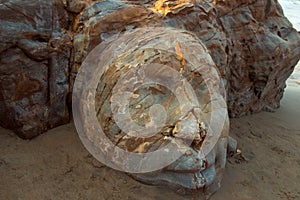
pixel 155 93
pixel 252 44
pixel 247 51
pixel 263 51
pixel 35 53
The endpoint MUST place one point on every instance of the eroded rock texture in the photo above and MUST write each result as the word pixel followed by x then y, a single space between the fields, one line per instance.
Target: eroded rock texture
pixel 140 70
pixel 251 42
pixel 43 44
pixel 35 55
pixel 263 50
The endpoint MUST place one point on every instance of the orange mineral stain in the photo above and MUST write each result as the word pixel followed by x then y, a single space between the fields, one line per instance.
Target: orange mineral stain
pixel 180 57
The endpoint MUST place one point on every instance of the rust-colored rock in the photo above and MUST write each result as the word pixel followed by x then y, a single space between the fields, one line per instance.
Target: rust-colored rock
pixel 137 79
pixel 252 44
pixel 43 44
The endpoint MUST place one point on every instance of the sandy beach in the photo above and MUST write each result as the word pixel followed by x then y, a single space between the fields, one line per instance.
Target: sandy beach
pixel 56 165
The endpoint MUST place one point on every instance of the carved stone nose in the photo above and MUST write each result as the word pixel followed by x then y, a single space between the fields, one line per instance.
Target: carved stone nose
pixel 191 161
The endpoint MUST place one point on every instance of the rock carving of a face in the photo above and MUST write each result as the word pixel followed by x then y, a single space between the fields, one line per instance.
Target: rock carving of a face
pixel 156 93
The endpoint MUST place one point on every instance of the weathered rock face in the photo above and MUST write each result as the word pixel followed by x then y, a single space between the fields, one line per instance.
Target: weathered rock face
pixel 44 43
pixel 263 50
pixel 35 55
pixel 129 84
pixel 251 42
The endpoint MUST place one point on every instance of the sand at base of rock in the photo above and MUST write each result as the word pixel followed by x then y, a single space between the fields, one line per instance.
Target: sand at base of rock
pixel 56 165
